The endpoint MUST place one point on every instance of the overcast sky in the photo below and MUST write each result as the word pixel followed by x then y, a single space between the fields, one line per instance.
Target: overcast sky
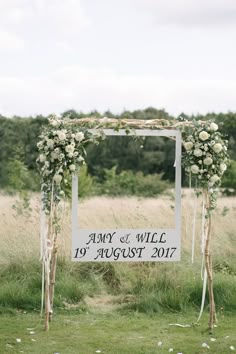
pixel 55 55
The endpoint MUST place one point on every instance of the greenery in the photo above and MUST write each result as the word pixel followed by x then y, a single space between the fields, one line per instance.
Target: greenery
pixel 130 183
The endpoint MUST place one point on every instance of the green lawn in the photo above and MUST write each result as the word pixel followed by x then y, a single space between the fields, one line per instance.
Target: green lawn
pixel 112 333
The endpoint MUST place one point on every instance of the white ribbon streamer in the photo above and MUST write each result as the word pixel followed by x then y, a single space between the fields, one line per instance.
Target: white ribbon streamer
pixel 194 226
pixel 203 295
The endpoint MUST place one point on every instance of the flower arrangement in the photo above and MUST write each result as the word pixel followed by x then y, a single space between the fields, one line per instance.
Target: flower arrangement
pixel 61 151
pixel 205 158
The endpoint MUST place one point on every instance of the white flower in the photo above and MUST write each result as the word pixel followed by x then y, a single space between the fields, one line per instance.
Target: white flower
pixel 80 158
pixel 223 167
pixel 70 148
pixel 57 179
pixel 207 161
pixel 194 169
pixel 217 147
pixel 197 152
pixel 70 155
pixel 72 168
pixel 79 136
pixel 42 157
pixel 170 350
pixel 159 344
pixel 18 340
pixel 39 144
pixel 231 347
pixel 61 135
pixel 54 122
pixel 213 339
pixel 204 135
pixel 188 145
pixel 50 143
pixel 213 127
pixel 76 154
pixel 214 178
pixel 54 155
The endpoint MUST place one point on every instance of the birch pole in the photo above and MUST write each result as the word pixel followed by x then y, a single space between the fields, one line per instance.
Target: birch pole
pixel 208 262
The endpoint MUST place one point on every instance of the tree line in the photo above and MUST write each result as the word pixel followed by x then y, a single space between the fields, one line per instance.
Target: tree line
pixel 152 155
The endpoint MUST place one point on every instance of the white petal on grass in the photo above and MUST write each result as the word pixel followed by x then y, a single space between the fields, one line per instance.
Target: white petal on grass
pixel 170 350
pixel 226 337
pixel 31 332
pixel 98 351
pixel 18 340
pixel 205 345
pixel 33 340
pixel 213 339
pixel 231 347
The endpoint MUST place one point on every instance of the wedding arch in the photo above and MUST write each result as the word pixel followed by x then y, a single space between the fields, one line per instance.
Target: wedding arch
pixel 62 150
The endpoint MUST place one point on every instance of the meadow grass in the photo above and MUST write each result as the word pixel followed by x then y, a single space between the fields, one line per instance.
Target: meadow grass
pixel 97 332
pixel 115 307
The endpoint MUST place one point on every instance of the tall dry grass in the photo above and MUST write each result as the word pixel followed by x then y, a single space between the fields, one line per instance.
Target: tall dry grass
pixel 19 234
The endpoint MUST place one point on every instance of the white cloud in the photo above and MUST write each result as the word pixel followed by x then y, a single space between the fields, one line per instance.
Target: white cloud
pixel 190 12
pixel 86 89
pixel 10 41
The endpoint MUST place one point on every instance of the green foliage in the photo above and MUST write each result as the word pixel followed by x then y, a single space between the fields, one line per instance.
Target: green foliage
pixel 20 177
pixel 86 186
pixel 130 183
pixel 229 180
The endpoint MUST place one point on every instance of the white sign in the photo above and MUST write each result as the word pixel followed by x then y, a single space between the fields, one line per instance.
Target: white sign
pixel 102 245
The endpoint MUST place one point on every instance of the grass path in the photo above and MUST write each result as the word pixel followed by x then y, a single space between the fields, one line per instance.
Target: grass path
pixel 113 333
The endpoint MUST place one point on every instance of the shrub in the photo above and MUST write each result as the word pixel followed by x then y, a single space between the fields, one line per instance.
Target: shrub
pixel 130 183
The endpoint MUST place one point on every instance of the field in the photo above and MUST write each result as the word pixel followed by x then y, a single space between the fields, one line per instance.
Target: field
pixel 115 308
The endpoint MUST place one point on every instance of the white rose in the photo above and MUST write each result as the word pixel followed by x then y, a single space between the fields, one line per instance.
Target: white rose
pixel 42 157
pixel 61 136
pixel 197 152
pixel 72 168
pixel 57 179
pixel 223 167
pixel 70 148
pixel 50 143
pixel 213 127
pixel 54 122
pixel 73 136
pixel 79 136
pixel 188 145
pixel 214 178
pixel 217 148
pixel 194 169
pixel 207 161
pixel 204 135
pixel 54 155
pixel 70 155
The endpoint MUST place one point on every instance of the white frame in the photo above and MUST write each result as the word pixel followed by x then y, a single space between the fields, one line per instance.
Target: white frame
pixel 173 235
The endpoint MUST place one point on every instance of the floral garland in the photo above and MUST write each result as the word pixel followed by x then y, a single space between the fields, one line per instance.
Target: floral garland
pixel 61 151
pixel 205 158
